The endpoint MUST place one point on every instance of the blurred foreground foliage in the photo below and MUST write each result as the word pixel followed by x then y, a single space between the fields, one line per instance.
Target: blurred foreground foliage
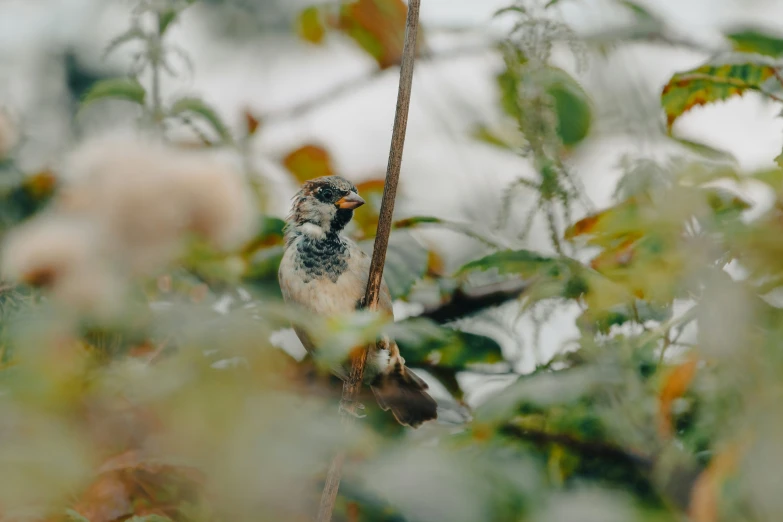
pixel 138 381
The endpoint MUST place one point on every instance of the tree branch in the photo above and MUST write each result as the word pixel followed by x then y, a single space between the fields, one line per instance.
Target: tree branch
pixel 352 386
pixel 466 302
pixel 587 448
pixel 349 86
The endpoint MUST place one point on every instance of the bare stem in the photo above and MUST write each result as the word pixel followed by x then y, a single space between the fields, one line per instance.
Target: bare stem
pixel 352 386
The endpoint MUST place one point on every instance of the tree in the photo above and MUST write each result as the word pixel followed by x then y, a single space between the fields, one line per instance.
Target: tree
pixel 138 380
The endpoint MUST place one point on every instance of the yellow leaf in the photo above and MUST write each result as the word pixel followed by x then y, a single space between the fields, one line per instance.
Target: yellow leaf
pixel 309 25
pixel 366 218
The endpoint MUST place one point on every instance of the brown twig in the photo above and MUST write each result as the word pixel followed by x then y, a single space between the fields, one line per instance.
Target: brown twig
pixel 352 386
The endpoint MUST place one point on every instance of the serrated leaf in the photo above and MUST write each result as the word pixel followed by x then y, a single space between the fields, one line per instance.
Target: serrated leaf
pixel 204 111
pixel 521 262
pixel 424 343
pixel 755 40
pixel 310 26
pixel 127 89
pixel 308 162
pixel 715 81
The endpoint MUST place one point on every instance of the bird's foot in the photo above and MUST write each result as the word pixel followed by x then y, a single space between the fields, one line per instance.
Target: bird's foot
pixel 346 408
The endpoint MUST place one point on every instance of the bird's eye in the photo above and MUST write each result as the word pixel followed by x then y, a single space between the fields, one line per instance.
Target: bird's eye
pixel 327 193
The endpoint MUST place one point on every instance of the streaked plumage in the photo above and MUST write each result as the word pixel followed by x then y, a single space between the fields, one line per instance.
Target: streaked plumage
pixel 327 273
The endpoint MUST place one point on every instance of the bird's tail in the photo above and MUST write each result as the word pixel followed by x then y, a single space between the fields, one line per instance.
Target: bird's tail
pixel 404 393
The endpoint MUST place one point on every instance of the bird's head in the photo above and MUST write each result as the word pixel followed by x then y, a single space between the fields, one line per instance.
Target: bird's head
pixel 323 205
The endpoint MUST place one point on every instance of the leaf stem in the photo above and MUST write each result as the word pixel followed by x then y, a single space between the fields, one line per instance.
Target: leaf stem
pixel 352 386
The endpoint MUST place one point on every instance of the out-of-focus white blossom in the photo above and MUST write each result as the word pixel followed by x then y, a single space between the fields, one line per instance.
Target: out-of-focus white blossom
pixel 148 197
pixel 63 255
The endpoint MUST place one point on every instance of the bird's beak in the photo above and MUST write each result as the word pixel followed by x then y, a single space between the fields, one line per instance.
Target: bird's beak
pixel 350 202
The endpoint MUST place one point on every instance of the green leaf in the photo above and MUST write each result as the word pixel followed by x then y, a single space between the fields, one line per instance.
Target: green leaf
pixel 706 151
pixel 127 89
pixel 261 272
pixel 521 262
pixel 602 320
pixel 424 343
pixel 639 11
pixel 165 19
pixel 496 139
pixel 571 103
pixel 134 33
pixel 756 40
pixel 511 9
pixel 463 228
pixel 572 106
pixel 73 516
pixel 201 109
pixel 715 81
pixel 537 392
pixel 270 233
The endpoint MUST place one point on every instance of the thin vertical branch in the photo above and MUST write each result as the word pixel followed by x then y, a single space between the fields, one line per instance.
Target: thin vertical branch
pixel 352 386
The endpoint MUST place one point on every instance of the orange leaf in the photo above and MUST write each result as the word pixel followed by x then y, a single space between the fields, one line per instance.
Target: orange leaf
pixel 674 386
pixel 107 499
pixel 378 26
pixel 308 162
pixel 706 491
pixel 41 185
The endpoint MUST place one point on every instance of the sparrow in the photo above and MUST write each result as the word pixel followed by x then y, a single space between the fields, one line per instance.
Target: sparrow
pixel 326 273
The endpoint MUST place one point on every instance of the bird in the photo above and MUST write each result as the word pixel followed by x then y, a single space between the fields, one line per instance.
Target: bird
pixel 326 273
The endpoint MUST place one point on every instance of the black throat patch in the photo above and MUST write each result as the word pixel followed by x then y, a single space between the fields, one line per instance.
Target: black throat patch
pixel 325 257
